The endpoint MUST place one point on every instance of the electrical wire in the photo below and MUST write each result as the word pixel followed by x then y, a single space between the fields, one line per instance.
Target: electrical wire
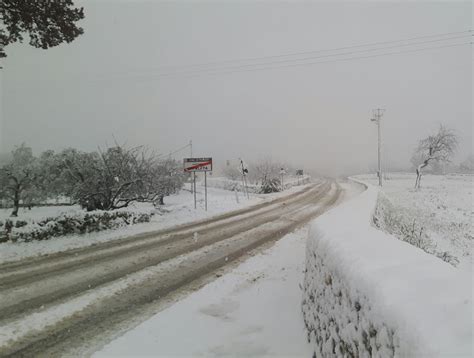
pixel 466 32
pixel 303 61
pixel 174 152
pixel 311 57
pixel 261 67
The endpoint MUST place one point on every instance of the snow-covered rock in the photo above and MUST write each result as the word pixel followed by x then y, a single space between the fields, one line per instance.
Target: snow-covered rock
pixel 367 293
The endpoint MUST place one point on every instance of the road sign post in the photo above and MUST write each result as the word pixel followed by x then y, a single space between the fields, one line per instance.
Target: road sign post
pixel 244 171
pixel 193 165
pixel 194 189
pixel 205 189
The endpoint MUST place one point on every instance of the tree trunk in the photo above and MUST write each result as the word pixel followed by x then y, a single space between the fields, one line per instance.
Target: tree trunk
pixel 419 173
pixel 418 178
pixel 16 203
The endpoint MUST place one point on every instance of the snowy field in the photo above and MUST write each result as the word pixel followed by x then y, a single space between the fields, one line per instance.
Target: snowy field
pixel 443 208
pixel 253 311
pixel 178 209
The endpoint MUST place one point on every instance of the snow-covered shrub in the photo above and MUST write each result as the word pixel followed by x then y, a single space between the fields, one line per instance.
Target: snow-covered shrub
pixel 270 185
pixel 65 224
pixel 397 222
pixel 368 294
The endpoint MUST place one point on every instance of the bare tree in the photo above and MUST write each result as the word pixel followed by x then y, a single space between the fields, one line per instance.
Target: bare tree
pixel 115 178
pixel 264 169
pixel 436 148
pixel 266 174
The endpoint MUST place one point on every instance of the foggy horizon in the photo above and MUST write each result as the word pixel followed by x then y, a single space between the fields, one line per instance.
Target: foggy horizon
pixel 140 73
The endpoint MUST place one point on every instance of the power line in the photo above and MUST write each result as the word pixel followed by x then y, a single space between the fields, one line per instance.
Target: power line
pixel 312 57
pixel 248 59
pixel 352 58
pixel 296 61
pixel 174 151
pixel 263 67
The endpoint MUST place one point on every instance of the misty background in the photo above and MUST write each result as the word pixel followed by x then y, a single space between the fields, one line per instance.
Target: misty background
pixel 108 83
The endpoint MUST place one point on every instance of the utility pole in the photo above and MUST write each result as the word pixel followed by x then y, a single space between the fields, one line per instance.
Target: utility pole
pixel 377 117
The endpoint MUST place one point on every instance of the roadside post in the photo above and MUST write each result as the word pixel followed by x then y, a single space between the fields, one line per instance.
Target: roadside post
pixel 282 173
pixel 205 189
pixel 244 171
pixel 194 189
pixel 194 165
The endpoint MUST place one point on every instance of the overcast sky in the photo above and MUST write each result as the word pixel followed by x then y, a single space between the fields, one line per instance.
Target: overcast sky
pixel 107 83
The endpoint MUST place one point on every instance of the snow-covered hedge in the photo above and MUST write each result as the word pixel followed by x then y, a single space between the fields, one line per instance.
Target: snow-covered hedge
pixel 69 223
pixel 367 293
pixel 401 224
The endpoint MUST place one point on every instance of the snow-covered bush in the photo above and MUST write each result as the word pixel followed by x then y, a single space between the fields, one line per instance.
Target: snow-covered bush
pixel 368 294
pixel 75 223
pixel 397 222
pixel 270 185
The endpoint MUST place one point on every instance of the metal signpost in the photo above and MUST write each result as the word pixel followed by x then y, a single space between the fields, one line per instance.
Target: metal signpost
pixel 244 171
pixel 193 165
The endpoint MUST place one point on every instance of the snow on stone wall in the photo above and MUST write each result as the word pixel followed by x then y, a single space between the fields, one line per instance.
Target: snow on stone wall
pixel 367 293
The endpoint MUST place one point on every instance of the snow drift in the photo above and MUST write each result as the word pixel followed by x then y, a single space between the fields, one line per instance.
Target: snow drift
pixel 367 293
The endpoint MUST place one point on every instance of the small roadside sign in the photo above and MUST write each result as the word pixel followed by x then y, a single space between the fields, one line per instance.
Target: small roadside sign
pixel 197 164
pixel 194 165
pixel 299 172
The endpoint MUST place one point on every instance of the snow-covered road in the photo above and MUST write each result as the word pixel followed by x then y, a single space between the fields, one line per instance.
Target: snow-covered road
pixel 53 305
pixel 255 310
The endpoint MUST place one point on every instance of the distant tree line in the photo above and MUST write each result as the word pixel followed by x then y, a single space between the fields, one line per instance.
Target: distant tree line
pixel 100 180
pixel 265 173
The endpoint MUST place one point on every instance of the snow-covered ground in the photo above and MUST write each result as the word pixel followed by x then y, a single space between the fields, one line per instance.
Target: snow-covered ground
pixel 255 310
pixel 179 209
pixel 443 207
pixel 367 293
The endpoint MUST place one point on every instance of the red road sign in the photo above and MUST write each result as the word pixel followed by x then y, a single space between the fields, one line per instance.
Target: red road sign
pixel 197 164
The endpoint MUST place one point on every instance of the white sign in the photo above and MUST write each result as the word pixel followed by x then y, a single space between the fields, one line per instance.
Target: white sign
pixel 197 164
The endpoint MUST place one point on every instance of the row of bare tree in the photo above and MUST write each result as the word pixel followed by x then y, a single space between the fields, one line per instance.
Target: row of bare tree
pixel 102 180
